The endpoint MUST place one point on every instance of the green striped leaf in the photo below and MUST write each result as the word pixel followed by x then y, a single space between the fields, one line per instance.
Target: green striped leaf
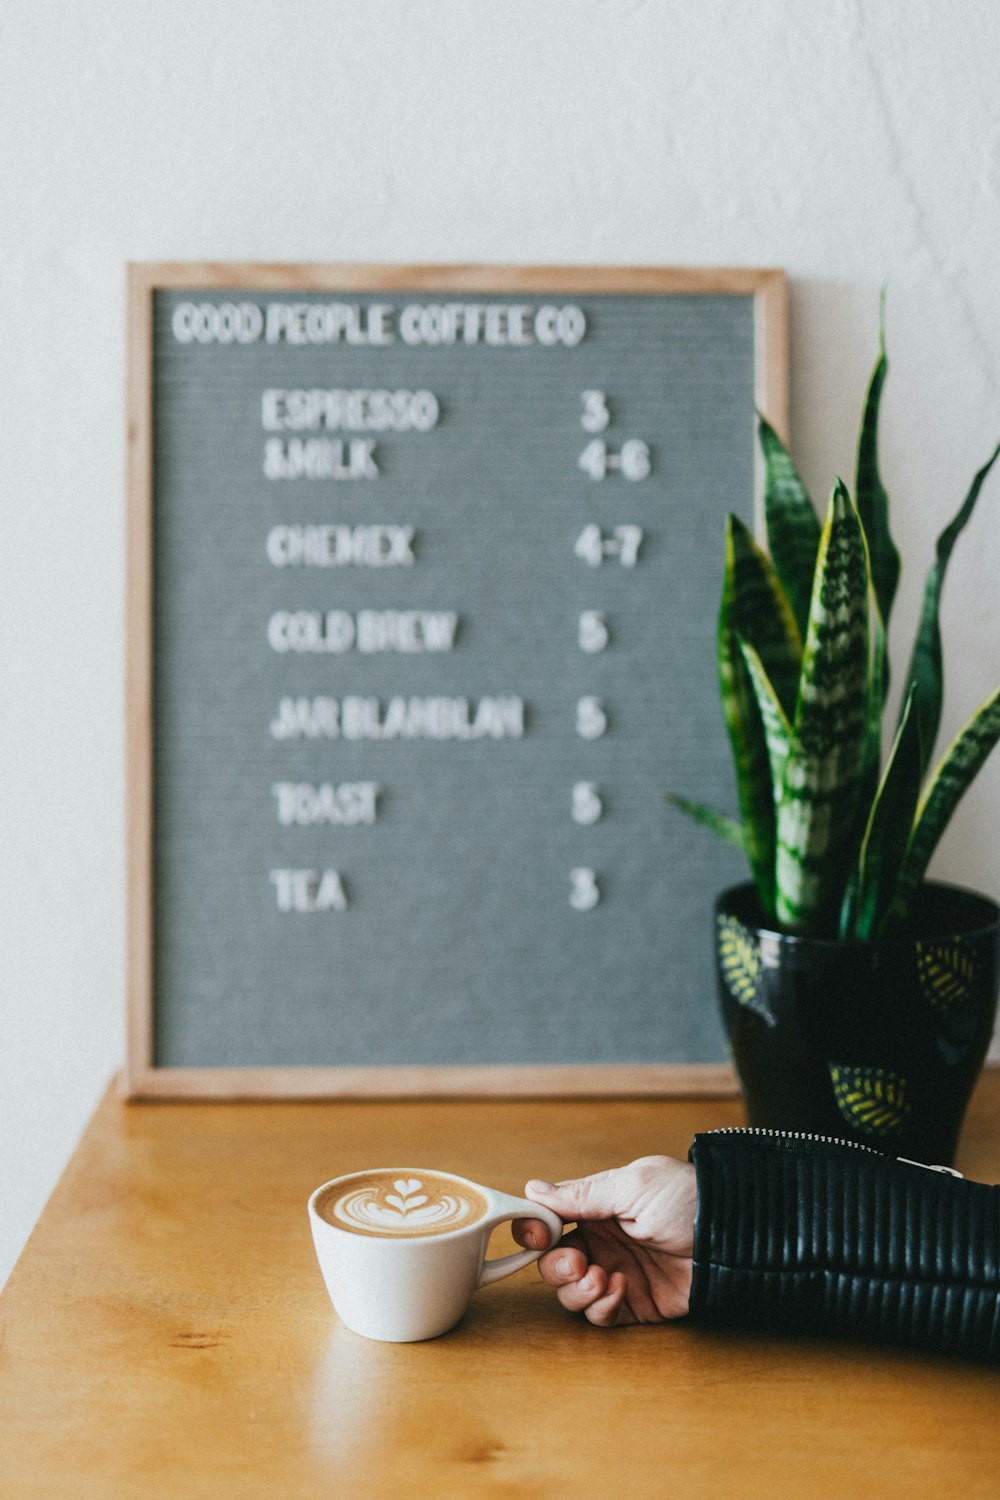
pixel 926 666
pixel 753 777
pixel 793 528
pixel 883 559
pixel 777 730
pixel 816 807
pixel 754 606
pixel 878 685
pixel 871 748
pixel 719 823
pixel 872 500
pixel 871 1100
pixel 890 825
pixel 955 772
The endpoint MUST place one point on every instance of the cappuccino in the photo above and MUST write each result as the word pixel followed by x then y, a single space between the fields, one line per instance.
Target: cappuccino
pixel 402 1204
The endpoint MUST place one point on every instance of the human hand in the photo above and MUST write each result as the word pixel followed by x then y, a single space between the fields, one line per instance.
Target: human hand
pixel 629 1258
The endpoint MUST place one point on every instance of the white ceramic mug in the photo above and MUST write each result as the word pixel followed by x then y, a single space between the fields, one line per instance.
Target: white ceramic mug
pixel 413 1279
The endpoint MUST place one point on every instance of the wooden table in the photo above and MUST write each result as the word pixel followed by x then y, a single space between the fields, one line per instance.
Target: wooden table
pixel 166 1333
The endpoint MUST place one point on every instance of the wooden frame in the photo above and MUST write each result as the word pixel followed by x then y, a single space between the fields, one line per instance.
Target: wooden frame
pixel 141 1078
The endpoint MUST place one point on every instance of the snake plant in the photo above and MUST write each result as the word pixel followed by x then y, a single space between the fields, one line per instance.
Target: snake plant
pixel 838 842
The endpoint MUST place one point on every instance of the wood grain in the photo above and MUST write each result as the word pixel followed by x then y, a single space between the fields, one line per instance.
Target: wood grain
pixel 139 678
pixel 166 1333
pixel 463 1081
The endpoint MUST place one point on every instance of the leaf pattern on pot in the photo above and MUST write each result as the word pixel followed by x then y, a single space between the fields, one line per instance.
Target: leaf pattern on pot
pixel 871 1100
pixel 947 973
pixel 742 967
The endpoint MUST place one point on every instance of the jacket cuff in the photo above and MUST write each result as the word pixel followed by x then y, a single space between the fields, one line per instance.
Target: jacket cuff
pixel 809 1235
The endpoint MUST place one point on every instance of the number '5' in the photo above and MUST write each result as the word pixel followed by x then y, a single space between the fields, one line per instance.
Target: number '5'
pixel 593 634
pixel 591 720
pixel 584 894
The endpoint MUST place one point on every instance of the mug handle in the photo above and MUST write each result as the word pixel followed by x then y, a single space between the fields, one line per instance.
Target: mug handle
pixel 518 1208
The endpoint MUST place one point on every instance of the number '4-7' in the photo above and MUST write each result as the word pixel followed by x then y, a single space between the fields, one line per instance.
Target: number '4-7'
pixel 622 544
pixel 584 893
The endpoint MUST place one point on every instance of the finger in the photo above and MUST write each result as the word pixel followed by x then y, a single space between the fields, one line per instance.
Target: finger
pixel 578 1296
pixel 640 1271
pixel 532 1233
pixel 596 1197
pixel 621 1260
pixel 611 1310
pixel 563 1265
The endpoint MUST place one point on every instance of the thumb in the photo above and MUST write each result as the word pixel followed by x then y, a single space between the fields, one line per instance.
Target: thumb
pixel 595 1197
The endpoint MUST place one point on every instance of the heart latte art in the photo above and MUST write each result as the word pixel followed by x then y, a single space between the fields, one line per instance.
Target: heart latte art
pixel 402 1205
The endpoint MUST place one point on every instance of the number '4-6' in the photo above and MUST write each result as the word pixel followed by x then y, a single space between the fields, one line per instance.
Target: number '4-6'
pixel 633 460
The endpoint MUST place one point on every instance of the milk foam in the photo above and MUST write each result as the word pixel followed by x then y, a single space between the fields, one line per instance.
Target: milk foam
pixel 405 1206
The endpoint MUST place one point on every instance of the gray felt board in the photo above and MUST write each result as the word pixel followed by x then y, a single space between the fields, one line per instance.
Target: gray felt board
pixel 365 855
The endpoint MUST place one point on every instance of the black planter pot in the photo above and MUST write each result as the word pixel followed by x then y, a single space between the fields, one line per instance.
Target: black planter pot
pixel 875 1042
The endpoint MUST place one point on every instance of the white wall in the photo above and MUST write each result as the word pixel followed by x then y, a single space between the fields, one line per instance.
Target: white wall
pixel 848 142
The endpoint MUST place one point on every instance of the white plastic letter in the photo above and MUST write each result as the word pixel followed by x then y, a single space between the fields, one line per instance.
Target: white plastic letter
pixel 591 720
pixel 584 894
pixel 587 805
pixel 595 411
pixel 593 635
pixel 636 463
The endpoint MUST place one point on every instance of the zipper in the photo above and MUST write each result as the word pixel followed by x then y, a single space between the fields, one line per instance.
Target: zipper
pixel 928 1167
pixel 824 1140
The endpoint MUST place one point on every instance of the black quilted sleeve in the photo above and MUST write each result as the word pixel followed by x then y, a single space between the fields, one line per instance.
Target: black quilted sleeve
pixel 816 1236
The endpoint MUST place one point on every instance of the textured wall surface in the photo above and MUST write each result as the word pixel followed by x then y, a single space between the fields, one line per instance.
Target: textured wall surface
pixel 850 141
